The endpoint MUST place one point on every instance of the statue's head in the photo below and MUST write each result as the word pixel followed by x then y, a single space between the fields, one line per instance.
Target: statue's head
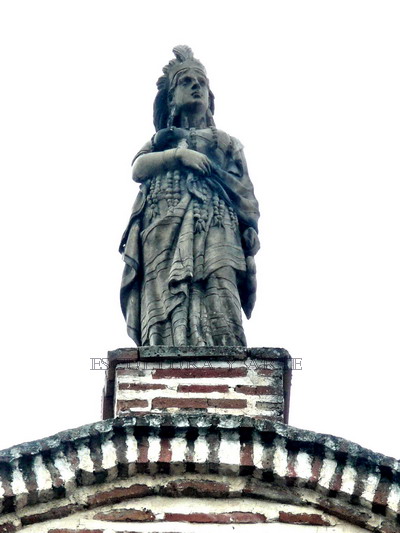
pixel 184 84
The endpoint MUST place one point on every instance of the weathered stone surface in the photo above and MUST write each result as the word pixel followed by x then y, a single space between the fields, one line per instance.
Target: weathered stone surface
pixel 191 240
pixel 155 353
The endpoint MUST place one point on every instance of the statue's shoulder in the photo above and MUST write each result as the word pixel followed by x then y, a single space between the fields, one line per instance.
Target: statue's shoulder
pixel 228 143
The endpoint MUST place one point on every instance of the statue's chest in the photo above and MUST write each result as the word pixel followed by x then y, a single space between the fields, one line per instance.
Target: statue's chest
pixel 207 142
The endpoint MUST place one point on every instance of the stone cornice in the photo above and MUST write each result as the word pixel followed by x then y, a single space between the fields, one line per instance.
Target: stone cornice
pixel 342 478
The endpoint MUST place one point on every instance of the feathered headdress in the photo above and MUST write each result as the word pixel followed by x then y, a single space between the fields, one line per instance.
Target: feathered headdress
pixel 183 60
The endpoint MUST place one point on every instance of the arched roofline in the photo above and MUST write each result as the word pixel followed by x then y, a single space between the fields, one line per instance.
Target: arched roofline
pixel 279 461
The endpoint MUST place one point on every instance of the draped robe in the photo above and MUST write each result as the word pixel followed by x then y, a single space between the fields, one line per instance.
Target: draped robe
pixel 187 271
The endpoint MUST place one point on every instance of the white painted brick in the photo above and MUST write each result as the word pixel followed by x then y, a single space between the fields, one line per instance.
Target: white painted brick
pixel 303 465
pixel 18 484
pixel 222 411
pixel 64 467
pixel 201 449
pixel 109 455
pixel 258 451
pixel 370 487
pixel 394 498
pixel 131 446
pixel 327 472
pixel 178 449
pixel 349 478
pixel 145 376
pixel 154 449
pixel 280 460
pixel 229 450
pixel 43 478
pixel 85 461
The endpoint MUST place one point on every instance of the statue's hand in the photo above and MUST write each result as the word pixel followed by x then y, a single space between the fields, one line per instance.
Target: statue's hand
pixel 194 160
pixel 251 242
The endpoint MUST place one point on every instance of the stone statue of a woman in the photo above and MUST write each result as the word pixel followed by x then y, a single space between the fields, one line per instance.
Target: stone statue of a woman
pixel 190 243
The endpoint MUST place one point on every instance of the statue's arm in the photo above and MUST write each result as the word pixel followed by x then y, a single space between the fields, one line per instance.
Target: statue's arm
pixel 250 240
pixel 235 181
pixel 150 164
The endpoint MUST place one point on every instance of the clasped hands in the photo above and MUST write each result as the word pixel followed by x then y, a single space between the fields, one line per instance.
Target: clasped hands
pixel 150 164
pixel 190 159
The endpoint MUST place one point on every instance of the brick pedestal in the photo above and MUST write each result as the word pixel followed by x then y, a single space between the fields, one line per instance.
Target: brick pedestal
pixel 218 380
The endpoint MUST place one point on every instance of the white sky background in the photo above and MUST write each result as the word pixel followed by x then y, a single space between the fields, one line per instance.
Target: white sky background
pixel 312 90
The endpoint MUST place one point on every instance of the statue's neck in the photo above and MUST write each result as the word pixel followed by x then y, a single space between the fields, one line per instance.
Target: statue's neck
pixel 192 120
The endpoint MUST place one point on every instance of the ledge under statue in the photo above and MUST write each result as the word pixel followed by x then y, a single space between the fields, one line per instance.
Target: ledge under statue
pixel 192 236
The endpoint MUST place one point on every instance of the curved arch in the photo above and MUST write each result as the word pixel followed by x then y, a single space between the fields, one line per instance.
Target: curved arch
pixel 192 454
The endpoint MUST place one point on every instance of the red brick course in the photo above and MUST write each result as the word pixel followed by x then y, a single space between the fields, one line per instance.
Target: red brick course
pixel 382 493
pixel 188 373
pixel 203 388
pixel 166 451
pixel 246 454
pixel 57 512
pixel 140 386
pixel 143 451
pixel 315 471
pixel 118 494
pixel 311 519
pixel 217 518
pixel 183 403
pixel 336 482
pixel 291 474
pixel 124 405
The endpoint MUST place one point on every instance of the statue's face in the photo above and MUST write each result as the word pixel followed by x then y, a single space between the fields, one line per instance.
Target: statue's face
pixel 191 92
